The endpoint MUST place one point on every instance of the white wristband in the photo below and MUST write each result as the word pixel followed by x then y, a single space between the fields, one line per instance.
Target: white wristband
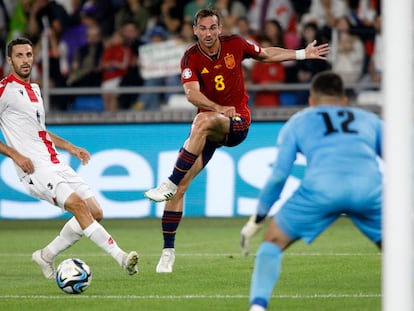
pixel 300 54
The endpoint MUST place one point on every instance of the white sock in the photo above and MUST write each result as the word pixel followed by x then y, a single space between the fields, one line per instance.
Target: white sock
pixel 69 235
pixel 97 233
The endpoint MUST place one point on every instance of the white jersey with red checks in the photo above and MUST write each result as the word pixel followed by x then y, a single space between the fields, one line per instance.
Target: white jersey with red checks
pixel 22 121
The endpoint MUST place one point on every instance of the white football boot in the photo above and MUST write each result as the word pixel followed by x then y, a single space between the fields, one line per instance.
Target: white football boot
pixel 166 263
pixel 47 267
pixel 249 230
pixel 163 192
pixel 130 263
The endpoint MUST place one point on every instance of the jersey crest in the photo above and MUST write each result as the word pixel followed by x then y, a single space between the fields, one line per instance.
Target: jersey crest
pixel 230 61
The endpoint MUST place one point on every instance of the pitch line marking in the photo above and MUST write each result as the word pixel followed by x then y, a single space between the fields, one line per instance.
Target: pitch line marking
pixel 209 254
pixel 150 297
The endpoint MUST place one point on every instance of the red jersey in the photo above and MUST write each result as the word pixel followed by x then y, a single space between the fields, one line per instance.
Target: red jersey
pixel 267 73
pixel 221 78
pixel 116 54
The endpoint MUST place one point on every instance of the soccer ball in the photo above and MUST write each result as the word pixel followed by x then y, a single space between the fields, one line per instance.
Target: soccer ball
pixel 73 276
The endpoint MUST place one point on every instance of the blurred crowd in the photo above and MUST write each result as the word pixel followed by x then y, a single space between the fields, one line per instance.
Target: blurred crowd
pixel 97 43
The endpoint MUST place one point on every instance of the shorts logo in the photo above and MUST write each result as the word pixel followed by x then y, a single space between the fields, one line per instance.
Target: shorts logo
pixel 187 73
pixel 229 61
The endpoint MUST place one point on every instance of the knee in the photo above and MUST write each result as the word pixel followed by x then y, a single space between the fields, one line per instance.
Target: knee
pixel 77 207
pixel 201 123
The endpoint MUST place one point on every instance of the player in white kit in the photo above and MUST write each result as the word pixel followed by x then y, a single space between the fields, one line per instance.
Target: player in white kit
pixel 32 148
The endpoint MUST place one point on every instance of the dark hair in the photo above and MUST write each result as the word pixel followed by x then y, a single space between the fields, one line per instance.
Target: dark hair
pixel 328 83
pixel 17 41
pixel 205 13
pixel 279 36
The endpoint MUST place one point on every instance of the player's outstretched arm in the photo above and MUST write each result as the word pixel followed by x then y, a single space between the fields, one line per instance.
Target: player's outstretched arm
pixel 312 51
pixel 81 153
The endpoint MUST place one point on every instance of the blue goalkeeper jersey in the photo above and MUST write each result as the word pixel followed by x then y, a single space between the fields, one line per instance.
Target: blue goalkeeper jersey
pixel 334 140
pixel 342 146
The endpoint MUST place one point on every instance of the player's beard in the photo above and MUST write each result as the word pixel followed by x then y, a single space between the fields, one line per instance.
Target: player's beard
pixel 23 73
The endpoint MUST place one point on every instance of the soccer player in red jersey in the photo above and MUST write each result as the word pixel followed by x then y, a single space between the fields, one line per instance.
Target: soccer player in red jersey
pixel 212 77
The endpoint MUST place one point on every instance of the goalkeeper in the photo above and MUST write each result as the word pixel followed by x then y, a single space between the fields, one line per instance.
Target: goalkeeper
pixel 342 146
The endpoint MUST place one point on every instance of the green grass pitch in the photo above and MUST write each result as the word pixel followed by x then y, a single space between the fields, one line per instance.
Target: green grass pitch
pixel 341 270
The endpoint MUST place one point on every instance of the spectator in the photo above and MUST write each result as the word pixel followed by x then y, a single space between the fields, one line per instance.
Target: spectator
pixel 50 18
pixel 132 11
pixel 171 15
pixel 58 67
pixel 325 14
pixel 362 15
pixel 230 11
pixel 261 11
pixel 5 12
pixel 153 101
pixel 243 29
pixel 267 74
pixel 376 61
pixel 306 70
pixel 191 8
pixel 6 9
pixel 273 32
pixel 186 34
pixel 132 38
pixel 114 63
pixel 84 70
pixel 18 19
pixel 102 11
pixel 301 7
pixel 55 14
pixel 18 13
pixel 76 34
pixel 74 8
pixel 374 75
pixel 347 53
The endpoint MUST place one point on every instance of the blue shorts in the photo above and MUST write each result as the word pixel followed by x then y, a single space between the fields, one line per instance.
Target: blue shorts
pixel 312 209
pixel 239 129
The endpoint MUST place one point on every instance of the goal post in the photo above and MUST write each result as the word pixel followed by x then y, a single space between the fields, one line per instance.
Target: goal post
pixel 398 113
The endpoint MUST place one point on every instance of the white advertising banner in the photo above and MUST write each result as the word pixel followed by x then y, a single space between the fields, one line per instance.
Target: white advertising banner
pixel 161 59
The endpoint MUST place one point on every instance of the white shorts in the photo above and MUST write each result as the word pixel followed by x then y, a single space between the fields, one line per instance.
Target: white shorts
pixel 111 84
pixel 55 183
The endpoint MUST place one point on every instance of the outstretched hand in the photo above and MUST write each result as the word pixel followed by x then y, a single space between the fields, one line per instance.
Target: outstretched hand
pixel 82 154
pixel 317 52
